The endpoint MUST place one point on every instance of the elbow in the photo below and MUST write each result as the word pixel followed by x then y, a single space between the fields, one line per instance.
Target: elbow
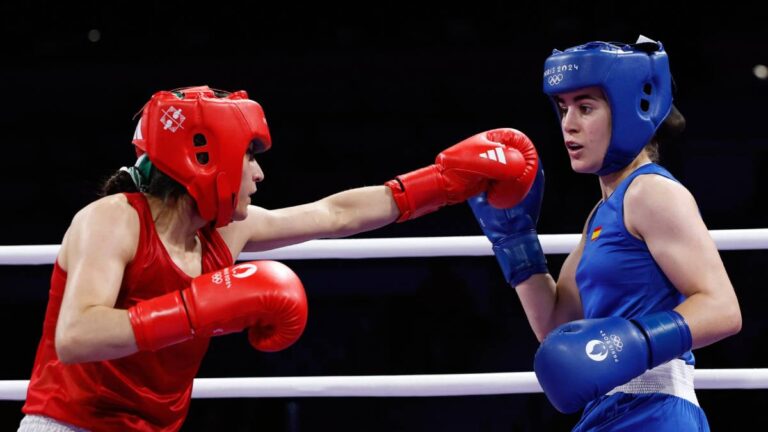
pixel 68 346
pixel 64 350
pixel 727 322
pixel 729 317
pixel 734 321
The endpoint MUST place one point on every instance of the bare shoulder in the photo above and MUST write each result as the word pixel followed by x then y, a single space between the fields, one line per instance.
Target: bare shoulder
pixel 113 210
pixel 109 226
pixel 654 201
pixel 654 190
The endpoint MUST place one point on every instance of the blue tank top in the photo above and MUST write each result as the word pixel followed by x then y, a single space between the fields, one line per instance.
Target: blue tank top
pixel 617 276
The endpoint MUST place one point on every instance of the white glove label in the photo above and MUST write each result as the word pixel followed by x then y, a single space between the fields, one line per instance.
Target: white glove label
pixel 598 350
pixel 244 270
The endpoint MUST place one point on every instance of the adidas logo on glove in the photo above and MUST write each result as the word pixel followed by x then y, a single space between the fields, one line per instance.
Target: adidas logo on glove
pixel 496 154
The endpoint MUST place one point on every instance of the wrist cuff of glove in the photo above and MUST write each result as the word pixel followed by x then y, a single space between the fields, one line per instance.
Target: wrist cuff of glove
pixel 668 336
pixel 417 193
pixel 520 257
pixel 160 322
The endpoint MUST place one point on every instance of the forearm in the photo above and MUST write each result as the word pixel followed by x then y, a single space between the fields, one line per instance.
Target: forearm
pixel 545 306
pixel 99 333
pixel 710 317
pixel 361 209
pixel 547 303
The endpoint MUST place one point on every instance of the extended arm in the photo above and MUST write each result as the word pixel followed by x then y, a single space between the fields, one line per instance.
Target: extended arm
pixel 339 215
pixel 499 161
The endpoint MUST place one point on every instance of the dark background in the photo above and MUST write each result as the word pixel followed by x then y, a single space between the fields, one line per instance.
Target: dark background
pixel 355 95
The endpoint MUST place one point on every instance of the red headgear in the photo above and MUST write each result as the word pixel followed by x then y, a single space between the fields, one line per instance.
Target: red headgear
pixel 198 136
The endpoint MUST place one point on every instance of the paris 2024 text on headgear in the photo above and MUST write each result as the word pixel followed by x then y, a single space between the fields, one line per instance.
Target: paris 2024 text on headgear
pixel 636 81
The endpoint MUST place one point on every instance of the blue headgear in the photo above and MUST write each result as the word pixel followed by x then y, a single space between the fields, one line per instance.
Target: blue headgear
pixel 636 81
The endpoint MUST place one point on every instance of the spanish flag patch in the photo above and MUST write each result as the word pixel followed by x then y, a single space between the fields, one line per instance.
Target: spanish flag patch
pixel 596 232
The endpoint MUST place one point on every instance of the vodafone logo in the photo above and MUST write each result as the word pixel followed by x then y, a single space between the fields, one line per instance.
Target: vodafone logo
pixel 244 270
pixel 596 350
pixel 241 271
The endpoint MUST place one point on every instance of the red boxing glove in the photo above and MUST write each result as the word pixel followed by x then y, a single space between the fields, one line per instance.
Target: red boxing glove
pixel 502 161
pixel 509 193
pixel 264 295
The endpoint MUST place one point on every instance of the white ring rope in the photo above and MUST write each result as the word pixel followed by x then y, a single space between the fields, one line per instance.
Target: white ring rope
pixel 405 385
pixel 408 247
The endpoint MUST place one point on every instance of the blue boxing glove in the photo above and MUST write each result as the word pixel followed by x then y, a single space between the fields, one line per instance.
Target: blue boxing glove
pixel 583 360
pixel 512 232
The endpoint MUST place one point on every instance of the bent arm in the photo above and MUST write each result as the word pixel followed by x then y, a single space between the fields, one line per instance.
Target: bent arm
pixel 514 240
pixel 547 303
pixel 339 215
pixel 665 215
pixel 97 247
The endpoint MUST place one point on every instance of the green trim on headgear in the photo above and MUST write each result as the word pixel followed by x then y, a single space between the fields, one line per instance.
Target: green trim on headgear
pixel 140 172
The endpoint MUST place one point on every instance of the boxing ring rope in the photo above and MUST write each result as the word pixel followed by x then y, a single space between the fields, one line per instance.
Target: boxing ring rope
pixel 402 385
pixel 409 247
pixel 405 385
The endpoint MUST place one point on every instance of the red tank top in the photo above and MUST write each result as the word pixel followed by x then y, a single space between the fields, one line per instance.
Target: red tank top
pixel 147 391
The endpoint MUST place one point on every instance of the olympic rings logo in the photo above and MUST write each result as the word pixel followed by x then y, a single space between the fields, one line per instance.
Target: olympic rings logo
pixel 617 343
pixel 216 278
pixel 555 79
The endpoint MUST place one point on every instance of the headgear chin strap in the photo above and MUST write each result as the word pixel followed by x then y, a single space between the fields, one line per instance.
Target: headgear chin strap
pixel 198 136
pixel 636 81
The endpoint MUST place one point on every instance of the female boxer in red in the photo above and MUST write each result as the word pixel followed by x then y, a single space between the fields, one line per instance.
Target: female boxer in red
pixel 145 275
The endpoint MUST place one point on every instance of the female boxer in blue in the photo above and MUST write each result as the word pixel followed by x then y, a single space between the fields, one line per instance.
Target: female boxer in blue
pixel 646 284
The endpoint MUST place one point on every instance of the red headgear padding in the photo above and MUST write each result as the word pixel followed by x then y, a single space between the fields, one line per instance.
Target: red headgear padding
pixel 198 136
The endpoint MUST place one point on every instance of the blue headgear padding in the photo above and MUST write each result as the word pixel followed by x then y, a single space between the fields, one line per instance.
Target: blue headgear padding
pixel 636 81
